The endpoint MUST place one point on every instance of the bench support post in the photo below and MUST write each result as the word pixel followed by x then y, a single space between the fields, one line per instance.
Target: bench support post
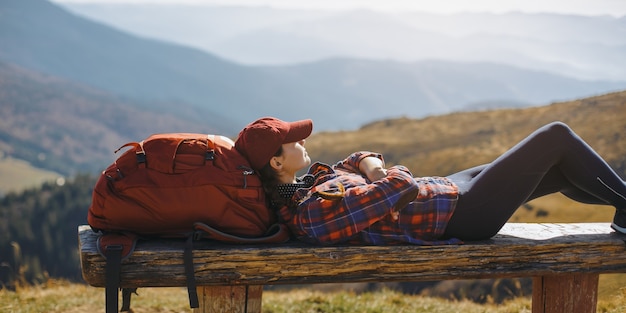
pixel 231 299
pixel 565 293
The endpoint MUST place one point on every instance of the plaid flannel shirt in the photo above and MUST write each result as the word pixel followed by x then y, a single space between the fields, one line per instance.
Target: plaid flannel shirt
pixel 343 206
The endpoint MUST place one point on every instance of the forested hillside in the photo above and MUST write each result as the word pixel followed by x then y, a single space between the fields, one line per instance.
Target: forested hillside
pixel 69 128
pixel 38 231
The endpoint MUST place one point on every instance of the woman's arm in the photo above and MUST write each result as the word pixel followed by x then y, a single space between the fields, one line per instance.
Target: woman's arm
pixel 366 163
pixel 373 168
pixel 325 219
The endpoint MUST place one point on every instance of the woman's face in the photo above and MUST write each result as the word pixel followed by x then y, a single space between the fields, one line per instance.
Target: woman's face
pixel 294 157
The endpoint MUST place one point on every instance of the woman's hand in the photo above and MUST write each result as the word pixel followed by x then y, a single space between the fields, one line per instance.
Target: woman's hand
pixel 373 168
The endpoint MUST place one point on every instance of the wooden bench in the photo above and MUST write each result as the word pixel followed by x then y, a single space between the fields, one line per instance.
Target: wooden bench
pixel 565 261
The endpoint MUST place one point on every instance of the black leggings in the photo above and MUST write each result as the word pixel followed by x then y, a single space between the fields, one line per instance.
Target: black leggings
pixel 552 159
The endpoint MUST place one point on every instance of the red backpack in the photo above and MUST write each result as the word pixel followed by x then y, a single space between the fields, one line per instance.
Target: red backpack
pixel 178 185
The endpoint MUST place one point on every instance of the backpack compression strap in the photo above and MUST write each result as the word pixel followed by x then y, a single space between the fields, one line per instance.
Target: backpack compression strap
pixel 277 233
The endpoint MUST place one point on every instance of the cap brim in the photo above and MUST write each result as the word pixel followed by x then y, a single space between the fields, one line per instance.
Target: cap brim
pixel 299 130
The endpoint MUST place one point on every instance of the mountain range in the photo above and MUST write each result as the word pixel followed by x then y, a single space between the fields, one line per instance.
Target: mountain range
pixel 73 90
pixel 339 93
pixel 585 47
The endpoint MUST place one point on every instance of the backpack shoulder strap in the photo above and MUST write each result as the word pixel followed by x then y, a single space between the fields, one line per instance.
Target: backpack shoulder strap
pixel 115 247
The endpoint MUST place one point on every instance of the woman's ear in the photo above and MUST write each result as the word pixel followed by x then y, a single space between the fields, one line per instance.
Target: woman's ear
pixel 275 163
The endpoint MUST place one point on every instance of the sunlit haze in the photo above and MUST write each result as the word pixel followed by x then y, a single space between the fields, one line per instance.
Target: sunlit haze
pixel 584 7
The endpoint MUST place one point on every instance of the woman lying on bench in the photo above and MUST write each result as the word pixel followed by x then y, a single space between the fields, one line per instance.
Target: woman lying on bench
pixel 358 200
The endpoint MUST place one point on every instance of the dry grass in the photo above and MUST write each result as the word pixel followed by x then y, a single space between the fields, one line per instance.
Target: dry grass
pixel 60 296
pixel 378 302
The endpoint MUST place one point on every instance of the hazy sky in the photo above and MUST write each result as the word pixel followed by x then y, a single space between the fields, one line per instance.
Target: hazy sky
pixel 582 7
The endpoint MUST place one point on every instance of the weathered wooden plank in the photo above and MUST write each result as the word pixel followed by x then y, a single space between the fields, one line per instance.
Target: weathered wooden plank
pixel 519 250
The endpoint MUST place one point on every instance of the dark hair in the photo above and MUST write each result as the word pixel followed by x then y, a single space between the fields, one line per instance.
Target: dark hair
pixel 269 178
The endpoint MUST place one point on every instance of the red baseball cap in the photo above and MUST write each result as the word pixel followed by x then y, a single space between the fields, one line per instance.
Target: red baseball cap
pixel 261 139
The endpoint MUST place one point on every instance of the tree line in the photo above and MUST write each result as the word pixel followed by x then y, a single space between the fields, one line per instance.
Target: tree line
pixel 38 231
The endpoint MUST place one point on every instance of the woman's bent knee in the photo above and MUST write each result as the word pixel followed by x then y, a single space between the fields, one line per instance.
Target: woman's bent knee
pixel 558 128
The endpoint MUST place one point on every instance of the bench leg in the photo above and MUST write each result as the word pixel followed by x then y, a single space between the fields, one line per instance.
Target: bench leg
pixel 229 299
pixel 565 293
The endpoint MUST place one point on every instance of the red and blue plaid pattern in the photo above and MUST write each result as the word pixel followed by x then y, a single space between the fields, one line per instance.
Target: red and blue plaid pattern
pixel 344 207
